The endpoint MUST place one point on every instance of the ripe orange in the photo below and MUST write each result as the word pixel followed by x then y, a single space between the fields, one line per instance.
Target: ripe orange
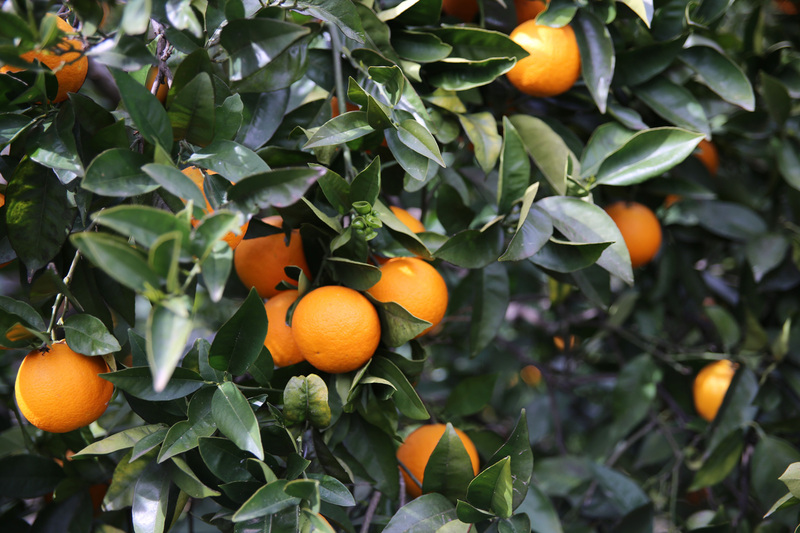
pixel 787 7
pixel 260 262
pixel 59 390
pixel 279 340
pixel 528 9
pixel 531 375
pixel 554 63
pixel 708 155
pixel 559 343
pixel 69 66
pixel 408 219
pixel 465 10
pixel 710 386
pixel 336 329
pixel 672 199
pixel 416 450
pixel 196 175
pixel 163 88
pixel 640 229
pixel 414 284
pixel 335 107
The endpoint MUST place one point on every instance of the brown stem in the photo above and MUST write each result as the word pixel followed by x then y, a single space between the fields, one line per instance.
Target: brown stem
pixel 373 505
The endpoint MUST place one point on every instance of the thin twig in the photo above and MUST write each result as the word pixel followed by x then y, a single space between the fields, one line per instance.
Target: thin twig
pixel 373 505
pixel 60 297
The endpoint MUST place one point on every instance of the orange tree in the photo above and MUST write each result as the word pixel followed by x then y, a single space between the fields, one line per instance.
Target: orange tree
pixel 117 253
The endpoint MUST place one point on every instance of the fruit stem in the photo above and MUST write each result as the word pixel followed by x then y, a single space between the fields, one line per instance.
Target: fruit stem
pixel 60 297
pixel 336 46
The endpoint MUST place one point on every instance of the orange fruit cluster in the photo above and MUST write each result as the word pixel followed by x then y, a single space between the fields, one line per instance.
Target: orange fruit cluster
pixel 59 390
pixel 416 450
pixel 68 63
pixel 554 63
pixel 640 228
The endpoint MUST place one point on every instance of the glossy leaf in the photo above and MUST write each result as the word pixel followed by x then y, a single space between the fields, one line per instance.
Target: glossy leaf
pixel 151 499
pixel 275 188
pixel 269 499
pixel 491 489
pixel 720 462
pixel 471 395
pixel 597 56
pixel 405 397
pixel 675 104
pixel 235 419
pixel 118 259
pixel 427 513
pixel 28 476
pixel 492 295
pixel 118 172
pixel 238 342
pixel 144 109
pixel 138 381
pixel 721 75
pixel 88 335
pixel 473 248
pixel 549 151
pixel 191 111
pixel 306 398
pixel 254 43
pixel 481 129
pixel 449 470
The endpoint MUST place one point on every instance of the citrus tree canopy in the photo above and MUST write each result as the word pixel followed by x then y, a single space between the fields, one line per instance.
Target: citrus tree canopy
pixel 431 266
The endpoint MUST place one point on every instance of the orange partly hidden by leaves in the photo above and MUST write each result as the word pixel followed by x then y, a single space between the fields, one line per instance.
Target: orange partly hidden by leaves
pixel 414 284
pixel 336 328
pixel 531 375
pixel 559 343
pixel 708 155
pixel 280 341
pixel 465 10
pixel 260 262
pixel 787 7
pixel 59 390
pixel 710 386
pixel 408 219
pixel 335 107
pixel 528 9
pixel 672 199
pixel 163 88
pixel 554 63
pixel 69 64
pixel 416 450
pixel 640 229
pixel 196 175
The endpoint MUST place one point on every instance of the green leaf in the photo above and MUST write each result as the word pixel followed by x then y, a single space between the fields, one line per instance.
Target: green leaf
pixel 768 468
pixel 306 398
pixel 643 63
pixel 721 75
pixel 477 44
pixel 766 253
pixel 539 509
pixel 518 448
pixel 622 491
pixel 88 335
pixel 787 501
pixel 597 55
pixel 606 139
pixel 186 434
pixel 169 325
pixel 118 172
pixel 341 129
pixel 231 160
pixel 146 225
pixel 118 259
pixel 582 222
pixel 340 13
pixel 366 185
pixel 647 154
pixel 549 151
pixel 405 397
pixel 427 513
pixel 491 489
pixel 333 491
pixel 449 469
pixel 398 326
pixel 275 188
pixel 216 269
pixel 151 499
pixel 254 43
pixel 417 137
pixel 531 235
pixel 791 478
pixel 28 476
pixel 492 294
pixel 675 104
pixel 145 110
pixel 56 147
pixel 460 75
pixel 358 276
pixel 239 341
pixel 470 514
pixel 418 46
pixel 235 418
pixel 175 182
pixel 789 161
pixel 473 248
pixel 267 500
pixel 481 129
pixel 418 167
pixel 642 8
pixel 777 98
pixel 471 395
pixel 38 214
pixel 375 451
pixel 726 219
pixel 191 111
pixel 224 459
pixel 720 462
pixel 122 440
pixel 515 168
pixel 138 382
pixel 188 481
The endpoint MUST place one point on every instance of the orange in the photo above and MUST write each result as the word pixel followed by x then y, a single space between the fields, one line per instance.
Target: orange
pixel 59 390
pixel 708 155
pixel 336 329
pixel 672 199
pixel 196 175
pixel 531 375
pixel 710 386
pixel 163 88
pixel 416 450
pixel 528 9
pixel 335 107
pixel 408 219
pixel 640 229
pixel 559 343
pixel 465 10
pixel 414 284
pixel 69 66
pixel 279 340
pixel 787 7
pixel 554 63
pixel 260 262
